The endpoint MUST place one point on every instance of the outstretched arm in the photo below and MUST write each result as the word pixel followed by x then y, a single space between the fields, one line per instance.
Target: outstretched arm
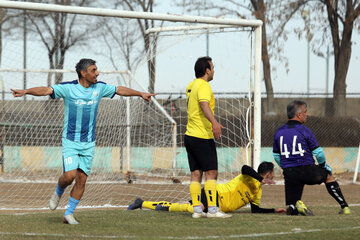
pixel 124 91
pixel 257 209
pixel 36 91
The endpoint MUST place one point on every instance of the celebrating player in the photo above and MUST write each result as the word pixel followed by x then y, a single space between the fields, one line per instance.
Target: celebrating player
pixel 243 189
pixel 81 98
pixel 294 148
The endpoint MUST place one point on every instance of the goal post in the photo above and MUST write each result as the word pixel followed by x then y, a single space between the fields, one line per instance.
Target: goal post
pixel 257 84
pixel 356 169
pixel 139 149
pixel 257 24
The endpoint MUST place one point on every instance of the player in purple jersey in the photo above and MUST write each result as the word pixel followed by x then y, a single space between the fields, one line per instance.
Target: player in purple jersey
pixel 294 148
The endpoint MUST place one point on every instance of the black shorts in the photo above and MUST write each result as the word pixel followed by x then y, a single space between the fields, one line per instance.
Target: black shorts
pixel 296 177
pixel 201 153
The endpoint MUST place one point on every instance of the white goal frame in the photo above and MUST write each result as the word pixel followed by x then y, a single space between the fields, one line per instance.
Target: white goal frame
pixel 257 24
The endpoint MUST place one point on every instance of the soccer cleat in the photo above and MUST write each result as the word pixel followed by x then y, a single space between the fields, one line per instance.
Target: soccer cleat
pixel 136 204
pixel 161 207
pixel 345 210
pixel 218 214
pixel 302 209
pixel 54 201
pixel 69 219
pixel 198 215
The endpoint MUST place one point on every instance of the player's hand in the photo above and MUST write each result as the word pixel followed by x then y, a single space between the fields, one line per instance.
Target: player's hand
pixel 267 181
pixel 18 93
pixel 216 128
pixel 326 167
pixel 147 96
pixel 280 210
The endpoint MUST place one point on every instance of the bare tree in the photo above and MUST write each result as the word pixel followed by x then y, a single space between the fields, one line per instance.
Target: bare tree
pixel 261 9
pixel 7 24
pixel 59 32
pixel 331 23
pixel 241 9
pixel 122 38
pixel 150 41
pixel 341 16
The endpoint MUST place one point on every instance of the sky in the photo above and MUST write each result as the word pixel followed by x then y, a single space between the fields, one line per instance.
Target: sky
pixel 177 54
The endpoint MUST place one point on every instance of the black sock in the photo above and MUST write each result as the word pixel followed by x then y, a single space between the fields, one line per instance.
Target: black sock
pixel 291 210
pixel 335 191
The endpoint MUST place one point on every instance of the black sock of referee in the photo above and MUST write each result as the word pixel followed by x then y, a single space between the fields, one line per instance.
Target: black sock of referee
pixel 335 191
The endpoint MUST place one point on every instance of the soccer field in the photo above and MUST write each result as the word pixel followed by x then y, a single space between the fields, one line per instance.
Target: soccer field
pixel 146 224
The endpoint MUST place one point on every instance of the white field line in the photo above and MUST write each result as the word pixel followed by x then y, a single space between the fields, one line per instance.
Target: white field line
pixel 97 207
pixel 63 235
pixel 295 231
pixel 59 208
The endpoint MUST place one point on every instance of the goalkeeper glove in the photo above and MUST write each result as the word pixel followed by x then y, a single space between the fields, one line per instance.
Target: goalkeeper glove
pixel 326 167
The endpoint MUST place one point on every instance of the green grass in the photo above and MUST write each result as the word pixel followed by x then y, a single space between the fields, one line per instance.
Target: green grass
pixel 141 224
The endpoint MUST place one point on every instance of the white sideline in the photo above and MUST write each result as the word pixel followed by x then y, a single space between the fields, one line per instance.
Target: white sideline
pixel 62 208
pixel 295 231
pixel 94 207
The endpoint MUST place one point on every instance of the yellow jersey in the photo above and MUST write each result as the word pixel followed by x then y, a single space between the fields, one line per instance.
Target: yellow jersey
pixel 198 125
pixel 237 193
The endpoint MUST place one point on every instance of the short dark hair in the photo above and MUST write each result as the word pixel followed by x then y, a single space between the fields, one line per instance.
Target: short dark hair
pixel 265 167
pixel 293 107
pixel 201 65
pixel 83 64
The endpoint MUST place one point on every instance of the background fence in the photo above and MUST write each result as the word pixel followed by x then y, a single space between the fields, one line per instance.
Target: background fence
pixel 339 136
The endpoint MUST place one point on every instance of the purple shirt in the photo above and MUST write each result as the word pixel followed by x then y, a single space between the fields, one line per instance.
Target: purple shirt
pixel 294 142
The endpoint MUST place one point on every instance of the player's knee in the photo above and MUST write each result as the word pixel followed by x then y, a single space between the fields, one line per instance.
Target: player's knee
pixel 68 177
pixel 211 175
pixel 80 183
pixel 330 178
pixel 196 176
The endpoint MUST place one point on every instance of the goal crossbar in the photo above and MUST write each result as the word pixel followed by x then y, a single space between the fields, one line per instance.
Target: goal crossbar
pixel 127 14
pixel 187 28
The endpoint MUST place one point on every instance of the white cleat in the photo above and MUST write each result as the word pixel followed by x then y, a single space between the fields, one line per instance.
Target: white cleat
pixel 54 201
pixel 198 215
pixel 69 219
pixel 218 214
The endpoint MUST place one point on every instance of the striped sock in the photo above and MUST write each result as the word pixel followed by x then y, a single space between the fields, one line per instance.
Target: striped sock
pixel 210 191
pixel 195 192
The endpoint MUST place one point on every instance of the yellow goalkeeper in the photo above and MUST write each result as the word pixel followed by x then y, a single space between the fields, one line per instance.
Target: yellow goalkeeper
pixel 240 191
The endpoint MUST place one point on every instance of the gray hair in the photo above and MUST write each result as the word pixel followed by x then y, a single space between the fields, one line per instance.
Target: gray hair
pixel 294 107
pixel 83 64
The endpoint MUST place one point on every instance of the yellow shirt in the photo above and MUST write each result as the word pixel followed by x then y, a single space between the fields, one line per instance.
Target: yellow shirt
pixel 198 125
pixel 237 193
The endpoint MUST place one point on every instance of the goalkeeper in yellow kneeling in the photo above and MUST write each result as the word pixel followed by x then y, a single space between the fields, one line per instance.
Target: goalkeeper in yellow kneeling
pixel 238 192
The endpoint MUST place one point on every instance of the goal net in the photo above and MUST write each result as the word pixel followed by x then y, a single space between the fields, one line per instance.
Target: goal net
pixel 139 146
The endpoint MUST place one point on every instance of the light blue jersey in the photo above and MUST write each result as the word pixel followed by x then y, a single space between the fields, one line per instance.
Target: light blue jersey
pixel 81 106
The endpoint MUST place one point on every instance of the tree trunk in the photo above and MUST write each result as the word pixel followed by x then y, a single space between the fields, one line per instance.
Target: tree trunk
pixel 59 76
pixel 260 13
pixel 342 61
pixel 267 72
pixel 51 67
pixel 341 69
